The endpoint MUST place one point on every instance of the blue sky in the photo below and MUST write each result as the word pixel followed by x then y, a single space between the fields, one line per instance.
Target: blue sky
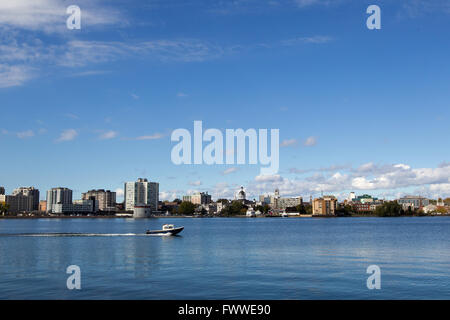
pixel 95 107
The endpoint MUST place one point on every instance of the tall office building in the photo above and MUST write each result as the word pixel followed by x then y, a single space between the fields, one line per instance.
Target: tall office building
pixel 29 192
pixel 2 190
pixel 141 193
pixel 58 196
pixel 105 198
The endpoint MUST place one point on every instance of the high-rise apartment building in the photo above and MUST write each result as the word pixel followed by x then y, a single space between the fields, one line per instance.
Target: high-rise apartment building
pixel 58 196
pixel 141 193
pixel 17 203
pixel 326 205
pixel 105 198
pixel 29 192
pixel 2 190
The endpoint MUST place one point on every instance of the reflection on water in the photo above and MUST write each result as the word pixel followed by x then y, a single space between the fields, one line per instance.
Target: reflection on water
pixel 226 258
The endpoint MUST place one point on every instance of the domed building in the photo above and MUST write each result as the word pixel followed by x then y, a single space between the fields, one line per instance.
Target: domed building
pixel 240 195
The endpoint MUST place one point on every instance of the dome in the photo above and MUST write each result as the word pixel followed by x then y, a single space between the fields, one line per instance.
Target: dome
pixel 241 194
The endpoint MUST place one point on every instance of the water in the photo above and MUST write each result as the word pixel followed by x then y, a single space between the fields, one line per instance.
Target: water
pixel 226 258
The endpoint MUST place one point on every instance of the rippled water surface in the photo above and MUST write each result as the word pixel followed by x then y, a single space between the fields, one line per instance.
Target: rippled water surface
pixel 291 258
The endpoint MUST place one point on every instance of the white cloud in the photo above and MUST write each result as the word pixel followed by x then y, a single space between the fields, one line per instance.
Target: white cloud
pixel 287 143
pixel 155 136
pixel 119 192
pixel 308 3
pixel 195 183
pixel 25 134
pixel 268 178
pixel 50 15
pixel 181 95
pixel 305 3
pixel 14 75
pixel 170 195
pixel 20 60
pixel 229 170
pixel 311 141
pixel 307 40
pixel 381 179
pixel 108 135
pixel 67 135
pixel 72 116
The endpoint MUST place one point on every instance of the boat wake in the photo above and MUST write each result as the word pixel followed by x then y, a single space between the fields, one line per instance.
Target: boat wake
pixel 64 234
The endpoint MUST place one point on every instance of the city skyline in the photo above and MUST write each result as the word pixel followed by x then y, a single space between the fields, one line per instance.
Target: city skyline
pixel 357 109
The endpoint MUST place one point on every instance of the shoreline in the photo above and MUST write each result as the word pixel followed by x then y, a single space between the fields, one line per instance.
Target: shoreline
pixel 212 217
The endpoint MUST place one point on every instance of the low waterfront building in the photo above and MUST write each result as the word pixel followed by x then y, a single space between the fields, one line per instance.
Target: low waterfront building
pixel 78 206
pixel 220 206
pixel 211 208
pixel 365 198
pixel 326 205
pixel 369 206
pixel 279 203
pixel 250 212
pixel 413 202
pixel 43 206
pixel 430 208
pixel 198 198
pixel 142 211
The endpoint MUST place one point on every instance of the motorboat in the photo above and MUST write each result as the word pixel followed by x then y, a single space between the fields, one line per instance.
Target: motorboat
pixel 167 230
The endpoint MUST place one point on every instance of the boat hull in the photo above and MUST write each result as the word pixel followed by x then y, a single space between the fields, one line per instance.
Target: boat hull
pixel 170 232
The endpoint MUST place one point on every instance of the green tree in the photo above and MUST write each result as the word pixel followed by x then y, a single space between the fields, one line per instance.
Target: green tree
pixel 389 209
pixel 441 210
pixel 186 208
pixel 301 209
pixel 263 209
pixel 4 207
pixel 346 210
pixel 235 208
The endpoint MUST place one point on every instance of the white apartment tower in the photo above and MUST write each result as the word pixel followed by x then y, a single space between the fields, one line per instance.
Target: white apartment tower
pixel 58 196
pixel 141 193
